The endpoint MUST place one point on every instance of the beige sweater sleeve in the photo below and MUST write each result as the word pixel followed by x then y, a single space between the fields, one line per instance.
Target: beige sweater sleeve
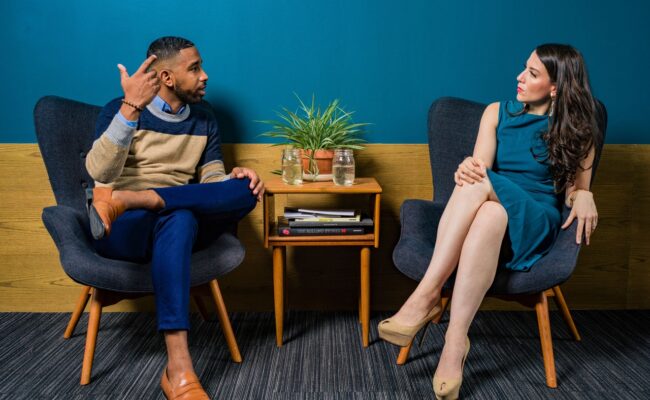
pixel 213 171
pixel 105 160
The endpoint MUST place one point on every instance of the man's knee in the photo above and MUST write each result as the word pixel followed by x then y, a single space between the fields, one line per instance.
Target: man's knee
pixel 182 220
pixel 243 194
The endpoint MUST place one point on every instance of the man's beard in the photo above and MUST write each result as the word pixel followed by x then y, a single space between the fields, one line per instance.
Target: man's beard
pixel 187 96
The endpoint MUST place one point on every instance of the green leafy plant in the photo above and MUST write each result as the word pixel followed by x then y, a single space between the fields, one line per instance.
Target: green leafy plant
pixel 311 128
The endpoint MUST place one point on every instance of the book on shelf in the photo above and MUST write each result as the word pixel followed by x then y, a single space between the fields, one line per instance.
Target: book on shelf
pixel 284 229
pixel 326 218
pixel 292 212
pixel 362 221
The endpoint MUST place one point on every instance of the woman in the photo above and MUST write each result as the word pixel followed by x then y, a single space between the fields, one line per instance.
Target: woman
pixel 527 153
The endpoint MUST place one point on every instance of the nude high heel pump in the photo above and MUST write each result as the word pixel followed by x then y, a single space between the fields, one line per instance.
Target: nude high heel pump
pixel 402 335
pixel 449 389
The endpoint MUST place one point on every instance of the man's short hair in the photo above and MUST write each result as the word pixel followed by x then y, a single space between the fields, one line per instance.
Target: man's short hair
pixel 167 47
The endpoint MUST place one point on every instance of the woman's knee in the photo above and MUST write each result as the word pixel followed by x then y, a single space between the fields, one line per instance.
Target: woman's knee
pixel 479 190
pixel 493 212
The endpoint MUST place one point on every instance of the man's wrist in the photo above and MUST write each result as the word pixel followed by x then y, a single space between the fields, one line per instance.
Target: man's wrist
pixel 129 112
pixel 126 121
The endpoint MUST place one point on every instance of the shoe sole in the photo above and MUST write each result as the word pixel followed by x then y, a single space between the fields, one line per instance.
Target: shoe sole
pixel 396 338
pixel 97 228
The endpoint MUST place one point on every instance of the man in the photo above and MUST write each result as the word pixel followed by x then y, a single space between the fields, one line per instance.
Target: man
pixel 159 175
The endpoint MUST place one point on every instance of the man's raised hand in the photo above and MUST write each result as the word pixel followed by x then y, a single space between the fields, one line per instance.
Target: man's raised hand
pixel 141 87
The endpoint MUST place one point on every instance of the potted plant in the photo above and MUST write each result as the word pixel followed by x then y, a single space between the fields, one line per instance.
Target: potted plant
pixel 317 132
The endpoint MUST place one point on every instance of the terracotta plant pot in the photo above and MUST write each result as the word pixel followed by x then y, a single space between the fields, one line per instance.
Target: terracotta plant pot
pixel 323 160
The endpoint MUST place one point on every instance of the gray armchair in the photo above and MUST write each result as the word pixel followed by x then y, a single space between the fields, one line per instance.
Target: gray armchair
pixel 65 132
pixel 453 126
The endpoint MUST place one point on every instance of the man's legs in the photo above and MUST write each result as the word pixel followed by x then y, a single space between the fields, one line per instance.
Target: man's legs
pixel 173 238
pixel 232 198
pixel 166 240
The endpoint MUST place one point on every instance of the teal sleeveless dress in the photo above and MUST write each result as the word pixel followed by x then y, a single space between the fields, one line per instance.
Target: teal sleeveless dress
pixel 523 183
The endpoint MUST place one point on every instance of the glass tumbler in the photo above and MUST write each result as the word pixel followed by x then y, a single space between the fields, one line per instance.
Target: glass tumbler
pixel 291 166
pixel 343 167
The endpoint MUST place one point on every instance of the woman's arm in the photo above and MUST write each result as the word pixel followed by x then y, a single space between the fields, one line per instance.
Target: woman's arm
pixel 486 141
pixel 581 200
pixel 472 169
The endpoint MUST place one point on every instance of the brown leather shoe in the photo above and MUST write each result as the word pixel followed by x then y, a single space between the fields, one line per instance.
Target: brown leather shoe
pixel 189 389
pixel 103 210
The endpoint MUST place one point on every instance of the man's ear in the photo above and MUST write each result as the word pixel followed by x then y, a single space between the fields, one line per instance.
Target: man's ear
pixel 166 78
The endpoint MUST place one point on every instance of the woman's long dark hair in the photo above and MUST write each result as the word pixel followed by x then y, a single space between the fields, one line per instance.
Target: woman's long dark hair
pixel 572 127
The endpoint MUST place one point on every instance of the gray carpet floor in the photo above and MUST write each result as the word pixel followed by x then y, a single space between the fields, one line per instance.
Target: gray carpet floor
pixel 323 358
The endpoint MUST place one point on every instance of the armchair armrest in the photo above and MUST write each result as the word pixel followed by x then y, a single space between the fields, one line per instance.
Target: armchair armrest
pixel 68 227
pixel 419 220
pixel 563 256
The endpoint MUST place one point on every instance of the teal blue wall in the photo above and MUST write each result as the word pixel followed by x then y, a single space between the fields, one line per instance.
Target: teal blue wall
pixel 386 59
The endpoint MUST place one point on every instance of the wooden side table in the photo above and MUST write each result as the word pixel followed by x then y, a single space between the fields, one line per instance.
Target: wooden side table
pixel 362 186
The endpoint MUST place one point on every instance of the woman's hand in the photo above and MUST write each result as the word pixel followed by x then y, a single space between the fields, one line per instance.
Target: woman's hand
pixel 471 170
pixel 584 209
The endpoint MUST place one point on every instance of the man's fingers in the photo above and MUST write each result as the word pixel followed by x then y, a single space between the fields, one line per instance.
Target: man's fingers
pixel 254 181
pixel 259 188
pixel 123 73
pixel 147 63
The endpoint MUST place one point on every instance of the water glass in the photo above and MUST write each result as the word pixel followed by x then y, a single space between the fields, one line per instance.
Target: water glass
pixel 343 167
pixel 291 166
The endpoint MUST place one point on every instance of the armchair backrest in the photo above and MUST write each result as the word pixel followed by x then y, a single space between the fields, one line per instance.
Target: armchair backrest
pixel 65 132
pixel 453 125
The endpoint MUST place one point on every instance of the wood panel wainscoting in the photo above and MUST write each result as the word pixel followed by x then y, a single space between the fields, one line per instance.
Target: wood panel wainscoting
pixel 613 273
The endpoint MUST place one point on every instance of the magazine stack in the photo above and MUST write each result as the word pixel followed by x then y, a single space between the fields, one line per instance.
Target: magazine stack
pixel 323 222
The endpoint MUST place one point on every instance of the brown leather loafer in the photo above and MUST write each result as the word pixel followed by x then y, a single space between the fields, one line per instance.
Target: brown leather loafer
pixel 103 210
pixel 189 389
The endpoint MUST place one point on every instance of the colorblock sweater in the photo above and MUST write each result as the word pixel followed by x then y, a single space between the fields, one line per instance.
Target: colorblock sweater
pixel 163 150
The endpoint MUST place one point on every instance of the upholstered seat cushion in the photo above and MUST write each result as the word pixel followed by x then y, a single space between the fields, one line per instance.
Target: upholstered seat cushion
pixel 419 219
pixel 85 266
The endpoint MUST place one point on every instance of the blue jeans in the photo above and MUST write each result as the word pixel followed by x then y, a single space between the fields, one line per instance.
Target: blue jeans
pixel 193 216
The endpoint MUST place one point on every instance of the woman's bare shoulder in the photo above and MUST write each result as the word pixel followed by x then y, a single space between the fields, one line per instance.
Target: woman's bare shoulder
pixel 491 114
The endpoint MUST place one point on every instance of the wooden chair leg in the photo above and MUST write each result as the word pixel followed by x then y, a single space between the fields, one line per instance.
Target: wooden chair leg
pixel 78 310
pixel 545 337
pixel 566 313
pixel 222 313
pixel 404 351
pixel 201 307
pixel 404 354
pixel 91 335
pixel 279 257
pixel 365 295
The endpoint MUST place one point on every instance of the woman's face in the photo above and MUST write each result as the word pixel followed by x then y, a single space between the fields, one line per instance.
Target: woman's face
pixel 534 84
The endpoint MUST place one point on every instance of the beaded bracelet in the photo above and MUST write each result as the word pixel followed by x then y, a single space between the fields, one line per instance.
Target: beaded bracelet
pixel 132 105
